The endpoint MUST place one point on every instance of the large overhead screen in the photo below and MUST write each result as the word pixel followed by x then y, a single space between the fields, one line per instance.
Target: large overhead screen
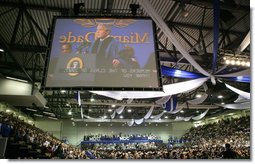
pixel 103 53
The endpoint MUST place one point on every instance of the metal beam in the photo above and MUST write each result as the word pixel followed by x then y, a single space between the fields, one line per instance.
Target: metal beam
pixel 5 12
pixel 33 6
pixel 28 48
pixel 36 25
pixel 185 39
pixel 224 6
pixel 16 27
pixel 8 51
pixel 194 26
pixel 150 104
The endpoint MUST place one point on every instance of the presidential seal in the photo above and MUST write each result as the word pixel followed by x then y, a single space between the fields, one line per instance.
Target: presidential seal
pixel 74 66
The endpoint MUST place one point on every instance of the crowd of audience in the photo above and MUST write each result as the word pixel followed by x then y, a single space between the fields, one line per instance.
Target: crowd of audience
pixel 210 139
pixel 120 137
pixel 27 141
pixel 205 142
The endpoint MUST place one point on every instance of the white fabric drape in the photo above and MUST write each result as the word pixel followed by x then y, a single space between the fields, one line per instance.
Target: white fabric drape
pixel 163 100
pixel 86 116
pixel 178 109
pixel 120 109
pixel 240 99
pixel 94 119
pixel 139 121
pixel 238 91
pixel 177 118
pixel 173 105
pixel 200 116
pixel 244 43
pixel 113 115
pixel 156 117
pixel 169 89
pixel 205 87
pixel 129 101
pixel 162 25
pixel 244 105
pixel 81 112
pixel 187 118
pixel 149 112
pixel 131 122
pixel 79 98
pixel 198 100
pixel 222 68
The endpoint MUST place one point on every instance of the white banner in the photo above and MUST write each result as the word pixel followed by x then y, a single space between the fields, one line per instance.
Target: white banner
pixel 200 116
pixel 178 109
pixel 238 91
pixel 240 99
pixel 162 25
pixel 163 100
pixel 131 122
pixel 244 105
pixel 120 109
pixel 139 121
pixel 169 89
pixel 149 113
pixel 156 117
pixel 129 101
pixel 113 114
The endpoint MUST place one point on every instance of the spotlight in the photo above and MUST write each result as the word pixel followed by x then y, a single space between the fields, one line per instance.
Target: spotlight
pixel 233 62
pixel 77 7
pixel 134 8
pixel 198 96
pixel 243 63
pixel 70 112
pixel 220 97
pixel 238 61
pixel 184 13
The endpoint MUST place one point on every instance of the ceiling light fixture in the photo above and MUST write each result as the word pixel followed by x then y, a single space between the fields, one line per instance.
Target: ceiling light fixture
pixel 63 91
pixel 184 13
pixel 198 96
pixel 220 96
pixel 70 112
pixel 240 60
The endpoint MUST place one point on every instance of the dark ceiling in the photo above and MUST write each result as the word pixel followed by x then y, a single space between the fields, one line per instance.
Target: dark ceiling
pixel 24 30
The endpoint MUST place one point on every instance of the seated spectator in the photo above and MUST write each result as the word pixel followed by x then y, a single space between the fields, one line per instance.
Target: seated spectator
pixel 229 153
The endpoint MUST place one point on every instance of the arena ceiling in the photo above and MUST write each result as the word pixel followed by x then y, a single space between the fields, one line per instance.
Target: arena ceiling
pixel 24 32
